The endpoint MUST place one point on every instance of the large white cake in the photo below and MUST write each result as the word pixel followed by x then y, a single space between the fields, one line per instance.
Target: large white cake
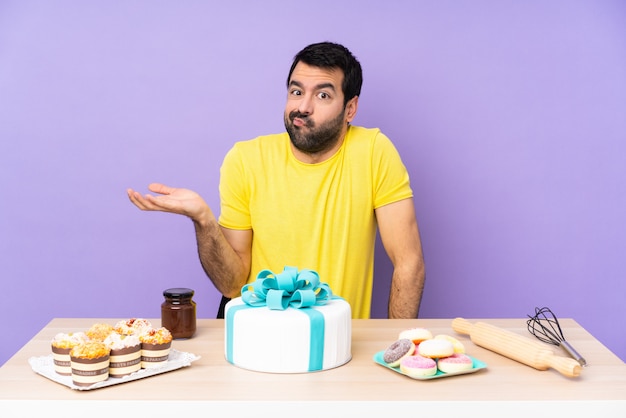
pixel 294 340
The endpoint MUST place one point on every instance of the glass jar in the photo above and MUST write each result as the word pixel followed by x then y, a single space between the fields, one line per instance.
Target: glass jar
pixel 178 312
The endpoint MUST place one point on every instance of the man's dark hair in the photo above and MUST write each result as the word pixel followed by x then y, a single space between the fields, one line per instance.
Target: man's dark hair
pixel 330 55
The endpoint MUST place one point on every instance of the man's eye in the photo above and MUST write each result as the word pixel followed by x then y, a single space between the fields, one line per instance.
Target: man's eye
pixel 323 95
pixel 295 92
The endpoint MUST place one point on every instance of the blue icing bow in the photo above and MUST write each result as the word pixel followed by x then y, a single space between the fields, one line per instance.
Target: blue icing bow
pixel 301 289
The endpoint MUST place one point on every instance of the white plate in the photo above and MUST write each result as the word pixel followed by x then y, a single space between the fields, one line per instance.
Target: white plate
pixel 44 366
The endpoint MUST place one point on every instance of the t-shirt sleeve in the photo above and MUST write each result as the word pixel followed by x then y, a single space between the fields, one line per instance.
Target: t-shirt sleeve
pixel 234 192
pixel 391 178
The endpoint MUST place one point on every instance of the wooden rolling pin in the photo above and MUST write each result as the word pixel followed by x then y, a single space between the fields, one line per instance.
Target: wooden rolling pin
pixel 516 347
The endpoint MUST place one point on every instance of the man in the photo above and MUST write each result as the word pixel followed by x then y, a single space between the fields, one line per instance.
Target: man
pixel 311 197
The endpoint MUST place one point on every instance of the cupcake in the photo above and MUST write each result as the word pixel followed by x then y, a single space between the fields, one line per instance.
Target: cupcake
pixel 125 354
pixel 90 363
pixel 99 332
pixel 61 345
pixel 155 347
pixel 133 326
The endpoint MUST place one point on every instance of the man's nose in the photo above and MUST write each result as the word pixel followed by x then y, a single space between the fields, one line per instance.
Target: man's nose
pixel 305 106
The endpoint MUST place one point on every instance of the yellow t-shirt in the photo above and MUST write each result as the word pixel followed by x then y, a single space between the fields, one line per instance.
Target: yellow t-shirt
pixel 314 216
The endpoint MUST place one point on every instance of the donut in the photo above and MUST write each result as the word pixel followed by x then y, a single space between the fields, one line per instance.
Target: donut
pixel 417 335
pixel 455 363
pixel 435 348
pixel 458 345
pixel 396 351
pixel 418 366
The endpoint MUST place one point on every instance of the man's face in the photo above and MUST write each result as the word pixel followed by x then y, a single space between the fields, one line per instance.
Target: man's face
pixel 315 116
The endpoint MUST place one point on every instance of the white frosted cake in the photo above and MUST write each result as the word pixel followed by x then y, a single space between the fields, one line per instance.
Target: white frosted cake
pixel 293 340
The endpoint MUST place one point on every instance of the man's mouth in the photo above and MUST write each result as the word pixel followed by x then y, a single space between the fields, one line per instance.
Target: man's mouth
pixel 299 120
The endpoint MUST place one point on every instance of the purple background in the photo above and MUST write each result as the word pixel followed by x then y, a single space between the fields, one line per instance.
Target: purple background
pixel 510 116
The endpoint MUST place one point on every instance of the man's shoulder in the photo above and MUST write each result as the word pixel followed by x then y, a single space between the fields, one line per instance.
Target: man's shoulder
pixel 361 131
pixel 268 138
pixel 368 137
pixel 262 141
pixel 261 147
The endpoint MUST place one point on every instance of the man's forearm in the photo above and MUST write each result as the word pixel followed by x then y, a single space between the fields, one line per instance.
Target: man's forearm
pixel 405 296
pixel 219 260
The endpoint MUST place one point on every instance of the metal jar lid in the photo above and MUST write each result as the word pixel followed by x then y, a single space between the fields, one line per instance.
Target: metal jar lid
pixel 178 292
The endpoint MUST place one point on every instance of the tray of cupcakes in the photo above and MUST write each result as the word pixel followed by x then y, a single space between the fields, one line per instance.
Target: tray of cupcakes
pixel 420 355
pixel 106 355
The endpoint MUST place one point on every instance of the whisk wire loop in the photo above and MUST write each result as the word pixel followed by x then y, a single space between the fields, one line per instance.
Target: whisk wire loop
pixel 545 326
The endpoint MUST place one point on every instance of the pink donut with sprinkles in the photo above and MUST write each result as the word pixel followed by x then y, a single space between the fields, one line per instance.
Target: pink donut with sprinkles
pixel 418 366
pixel 455 363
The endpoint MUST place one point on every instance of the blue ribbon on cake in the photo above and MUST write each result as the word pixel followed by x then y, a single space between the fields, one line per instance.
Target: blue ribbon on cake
pixel 290 289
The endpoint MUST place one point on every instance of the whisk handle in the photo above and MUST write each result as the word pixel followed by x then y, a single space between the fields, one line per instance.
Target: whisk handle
pixel 570 350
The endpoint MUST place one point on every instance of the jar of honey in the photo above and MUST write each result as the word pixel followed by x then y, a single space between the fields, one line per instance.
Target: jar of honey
pixel 178 312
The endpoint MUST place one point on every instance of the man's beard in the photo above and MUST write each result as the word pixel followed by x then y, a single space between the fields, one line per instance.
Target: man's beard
pixel 317 139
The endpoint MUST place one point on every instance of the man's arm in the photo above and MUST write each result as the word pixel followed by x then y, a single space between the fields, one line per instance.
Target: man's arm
pixel 400 236
pixel 224 253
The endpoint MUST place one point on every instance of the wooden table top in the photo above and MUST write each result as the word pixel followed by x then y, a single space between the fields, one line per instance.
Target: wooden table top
pixel 213 379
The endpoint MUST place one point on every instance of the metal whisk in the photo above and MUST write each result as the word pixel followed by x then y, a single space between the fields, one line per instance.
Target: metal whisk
pixel 545 326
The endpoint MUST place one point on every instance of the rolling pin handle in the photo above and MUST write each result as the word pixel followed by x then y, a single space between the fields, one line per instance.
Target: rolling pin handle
pixel 462 326
pixel 566 366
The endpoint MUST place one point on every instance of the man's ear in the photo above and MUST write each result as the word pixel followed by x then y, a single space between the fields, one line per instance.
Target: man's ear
pixel 351 108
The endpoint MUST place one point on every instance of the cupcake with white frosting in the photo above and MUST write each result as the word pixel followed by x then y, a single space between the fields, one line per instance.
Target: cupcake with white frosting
pixel 132 326
pixel 125 354
pixel 155 347
pixel 61 345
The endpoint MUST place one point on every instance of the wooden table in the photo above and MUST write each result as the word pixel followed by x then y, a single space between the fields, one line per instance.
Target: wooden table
pixel 210 384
